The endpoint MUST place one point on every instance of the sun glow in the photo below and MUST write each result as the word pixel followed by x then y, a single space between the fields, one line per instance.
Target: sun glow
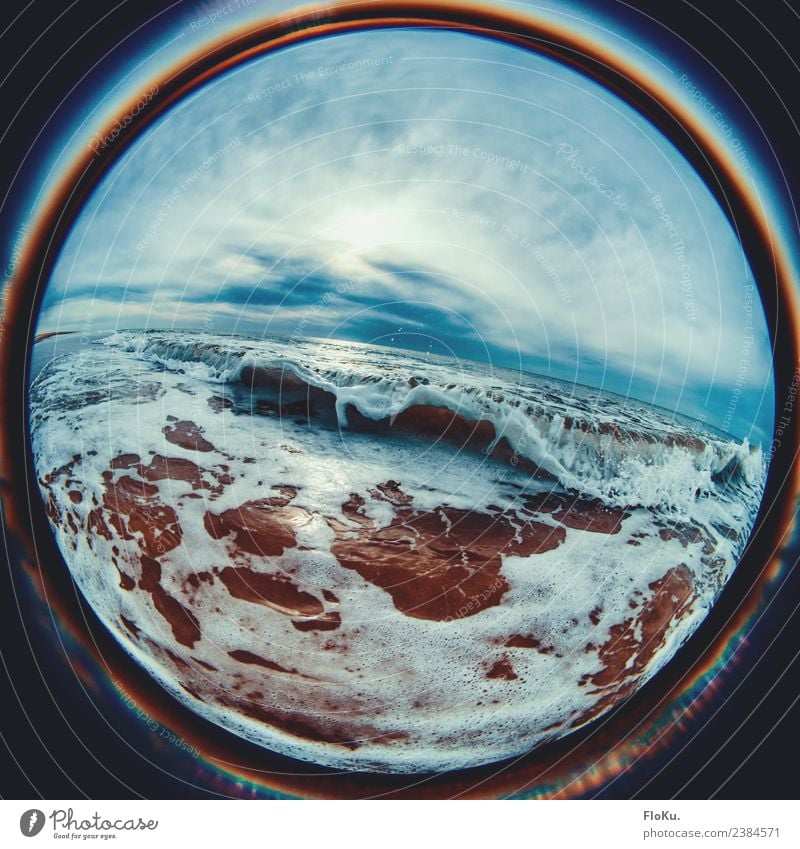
pixel 363 231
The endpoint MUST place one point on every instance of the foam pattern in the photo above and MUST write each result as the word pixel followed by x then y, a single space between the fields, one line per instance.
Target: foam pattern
pixel 243 550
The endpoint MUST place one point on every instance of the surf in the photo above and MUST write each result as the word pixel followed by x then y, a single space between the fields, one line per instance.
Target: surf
pixel 623 457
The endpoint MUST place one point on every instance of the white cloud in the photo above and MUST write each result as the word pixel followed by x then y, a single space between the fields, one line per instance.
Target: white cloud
pixel 513 192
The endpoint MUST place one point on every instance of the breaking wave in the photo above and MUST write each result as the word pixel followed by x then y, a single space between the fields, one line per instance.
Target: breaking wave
pixel 595 443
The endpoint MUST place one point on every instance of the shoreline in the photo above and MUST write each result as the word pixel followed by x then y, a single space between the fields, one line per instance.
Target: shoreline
pixel 40 337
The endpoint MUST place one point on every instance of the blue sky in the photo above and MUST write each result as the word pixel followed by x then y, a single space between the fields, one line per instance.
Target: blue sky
pixel 434 191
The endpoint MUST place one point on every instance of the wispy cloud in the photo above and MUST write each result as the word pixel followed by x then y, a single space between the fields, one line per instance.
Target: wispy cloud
pixel 386 184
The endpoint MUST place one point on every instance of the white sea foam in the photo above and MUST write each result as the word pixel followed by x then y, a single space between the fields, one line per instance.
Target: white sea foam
pixel 426 678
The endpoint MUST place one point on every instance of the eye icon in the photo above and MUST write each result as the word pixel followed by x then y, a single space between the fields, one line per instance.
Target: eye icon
pixel 31 822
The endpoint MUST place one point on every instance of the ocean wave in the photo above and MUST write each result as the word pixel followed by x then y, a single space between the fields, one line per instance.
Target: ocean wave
pixel 624 457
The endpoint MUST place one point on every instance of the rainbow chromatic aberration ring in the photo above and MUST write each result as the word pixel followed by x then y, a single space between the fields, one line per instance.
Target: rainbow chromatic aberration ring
pixel 589 756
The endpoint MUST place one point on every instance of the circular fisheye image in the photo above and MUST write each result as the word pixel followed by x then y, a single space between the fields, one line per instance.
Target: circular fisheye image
pixel 400 401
